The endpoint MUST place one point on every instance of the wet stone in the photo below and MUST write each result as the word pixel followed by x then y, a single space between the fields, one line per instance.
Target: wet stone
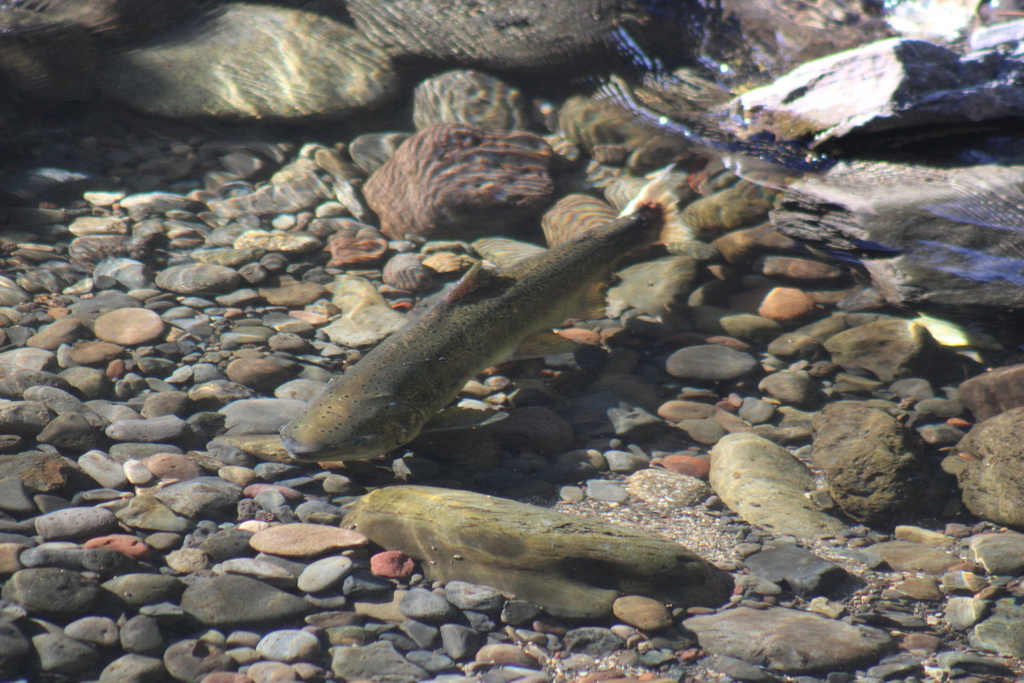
pixel 468 596
pixel 304 540
pixel 323 574
pixel 459 642
pixel 75 523
pixel 190 660
pixel 789 641
pixel 710 362
pixel 904 556
pixel 129 326
pixel 606 491
pixel 60 654
pixel 592 641
pixel 643 613
pixel 149 430
pixel 141 634
pixel 962 612
pixel 665 488
pixel 379 662
pixel 51 592
pixel 392 564
pixel 805 573
pixel 289 646
pixel 1003 632
pixel 424 605
pixel 1000 554
pixel 233 600
pixel 100 631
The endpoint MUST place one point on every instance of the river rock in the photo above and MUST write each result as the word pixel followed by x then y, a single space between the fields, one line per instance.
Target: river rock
pixel 895 83
pixel 993 392
pixel 889 348
pixel 805 573
pixel 1000 554
pixel 378 662
pixel 988 468
pixel 198 279
pixel 207 66
pixel 536 37
pixel 904 556
pixel 766 486
pixel 235 600
pixel 469 97
pixel 304 540
pixel 75 522
pixel 523 549
pixel 709 362
pixel 366 317
pixel 51 592
pixel 872 470
pixel 789 641
pixel 440 182
pixel 652 286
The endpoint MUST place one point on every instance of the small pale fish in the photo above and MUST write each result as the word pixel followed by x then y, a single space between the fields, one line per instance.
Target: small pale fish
pixel 965 342
pixel 394 392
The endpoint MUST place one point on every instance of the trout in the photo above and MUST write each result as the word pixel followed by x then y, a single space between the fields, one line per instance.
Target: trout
pixel 388 397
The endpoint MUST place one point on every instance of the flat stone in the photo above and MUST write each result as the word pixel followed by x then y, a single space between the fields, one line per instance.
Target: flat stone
pixel 765 485
pixel 75 522
pixel 289 645
pixel 51 592
pixel 524 549
pixel 129 326
pixel 962 612
pixel 711 362
pixel 643 613
pixel 889 348
pixel 789 641
pixel 805 573
pixel 1000 554
pixel 136 590
pixel 1003 632
pixel 134 668
pixel 993 392
pixel 320 575
pixel 377 662
pixel 304 540
pixel 366 316
pixel 237 600
pixel 147 430
pixel 911 557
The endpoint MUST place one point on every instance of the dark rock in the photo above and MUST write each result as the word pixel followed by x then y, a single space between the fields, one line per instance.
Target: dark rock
pixel 805 573
pixel 988 468
pixel 993 392
pixel 377 662
pixel 51 592
pixel 232 600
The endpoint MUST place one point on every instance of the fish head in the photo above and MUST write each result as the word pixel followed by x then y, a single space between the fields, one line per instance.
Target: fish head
pixel 358 430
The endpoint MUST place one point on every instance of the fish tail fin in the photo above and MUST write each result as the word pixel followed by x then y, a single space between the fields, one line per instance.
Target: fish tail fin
pixel 662 193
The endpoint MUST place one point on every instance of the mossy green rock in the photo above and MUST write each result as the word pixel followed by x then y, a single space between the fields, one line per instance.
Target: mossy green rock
pixel 572 566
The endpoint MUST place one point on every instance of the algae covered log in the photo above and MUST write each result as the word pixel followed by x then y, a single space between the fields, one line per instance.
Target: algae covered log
pixel 572 566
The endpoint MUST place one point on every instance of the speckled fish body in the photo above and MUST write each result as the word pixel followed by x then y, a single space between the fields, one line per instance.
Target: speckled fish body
pixel 385 399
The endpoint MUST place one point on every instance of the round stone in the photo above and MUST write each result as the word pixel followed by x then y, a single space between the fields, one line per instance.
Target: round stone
pixel 75 522
pixel 645 614
pixel 392 564
pixel 304 540
pixel 51 592
pixel 322 574
pixel 709 362
pixel 686 464
pixel 289 646
pixel 128 327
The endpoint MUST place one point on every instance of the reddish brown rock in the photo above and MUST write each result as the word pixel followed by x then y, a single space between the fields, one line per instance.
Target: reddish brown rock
pixel 686 464
pixel 392 564
pixel 95 352
pixel 64 331
pixel 294 295
pixel 355 245
pixel 254 490
pixel 452 180
pixel 645 614
pixel 994 392
pixel 129 326
pixel 782 304
pixel 261 374
pixel 173 466
pixel 122 543
pixel 800 269
pixel 304 540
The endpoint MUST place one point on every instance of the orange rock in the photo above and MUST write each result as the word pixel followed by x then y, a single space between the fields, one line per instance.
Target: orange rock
pixel 122 543
pixel 686 464
pixel 580 335
pixel 392 564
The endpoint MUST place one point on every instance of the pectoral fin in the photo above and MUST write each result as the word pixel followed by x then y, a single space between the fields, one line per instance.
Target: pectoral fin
pixel 543 344
pixel 461 418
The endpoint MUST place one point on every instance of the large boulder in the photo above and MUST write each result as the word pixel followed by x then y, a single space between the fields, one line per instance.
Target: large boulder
pixel 572 566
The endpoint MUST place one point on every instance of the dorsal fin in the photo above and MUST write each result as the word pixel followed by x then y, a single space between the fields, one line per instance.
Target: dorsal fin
pixel 471 281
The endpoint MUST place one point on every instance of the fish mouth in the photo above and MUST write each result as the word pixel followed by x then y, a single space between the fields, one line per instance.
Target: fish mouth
pixel 301 451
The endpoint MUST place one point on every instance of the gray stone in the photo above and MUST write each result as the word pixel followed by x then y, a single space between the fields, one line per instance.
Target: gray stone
pixel 792 388
pixel 606 491
pixel 377 662
pixel 1000 554
pixel 592 640
pixel 235 600
pixel 151 430
pixel 190 660
pixel 474 597
pixel 201 497
pixel 323 574
pixel 289 646
pixel 103 469
pixel 755 411
pixel 51 592
pixel 459 642
pixel 962 613
pixel 873 473
pixel 1003 632
pixel 141 634
pixel 710 362
pixel 134 668
pixel 789 641
pixel 765 485
pixel 260 415
pixel 806 574
pixel 75 522
pixel 100 631
pixel 424 605
pixel 14 497
pixel 136 590
pixel 60 654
